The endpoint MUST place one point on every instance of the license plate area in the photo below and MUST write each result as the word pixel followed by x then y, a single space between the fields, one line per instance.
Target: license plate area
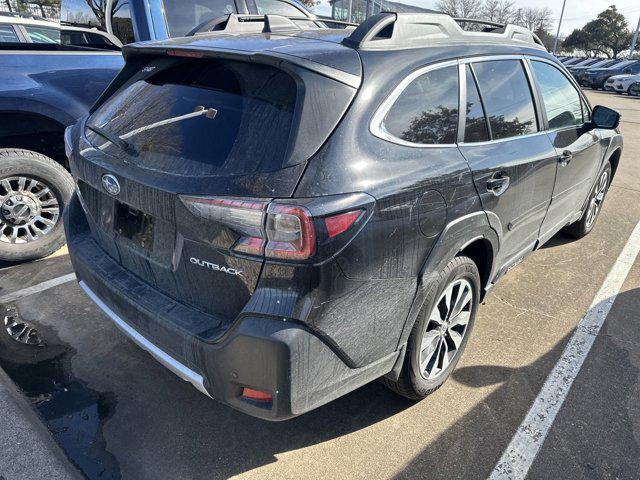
pixel 134 225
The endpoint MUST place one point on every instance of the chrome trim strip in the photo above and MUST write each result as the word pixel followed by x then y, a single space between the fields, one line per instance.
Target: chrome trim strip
pixel 182 371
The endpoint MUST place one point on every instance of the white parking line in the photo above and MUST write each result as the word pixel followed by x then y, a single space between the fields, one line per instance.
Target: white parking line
pixel 526 443
pixel 25 292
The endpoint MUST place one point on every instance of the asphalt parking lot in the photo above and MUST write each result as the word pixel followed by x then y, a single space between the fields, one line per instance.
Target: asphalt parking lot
pixel 117 413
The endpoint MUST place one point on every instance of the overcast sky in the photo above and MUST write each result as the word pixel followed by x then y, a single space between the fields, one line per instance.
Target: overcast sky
pixel 577 12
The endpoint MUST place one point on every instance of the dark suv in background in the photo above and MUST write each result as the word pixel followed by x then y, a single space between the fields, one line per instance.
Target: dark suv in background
pixel 597 77
pixel 282 216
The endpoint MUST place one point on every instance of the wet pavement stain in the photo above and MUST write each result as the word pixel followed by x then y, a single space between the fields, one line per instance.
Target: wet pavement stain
pixel 73 412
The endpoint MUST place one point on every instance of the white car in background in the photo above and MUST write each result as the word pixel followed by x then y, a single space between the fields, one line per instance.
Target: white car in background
pixel 15 28
pixel 624 84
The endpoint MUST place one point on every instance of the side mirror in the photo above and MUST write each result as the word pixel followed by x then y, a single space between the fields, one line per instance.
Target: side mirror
pixel 604 117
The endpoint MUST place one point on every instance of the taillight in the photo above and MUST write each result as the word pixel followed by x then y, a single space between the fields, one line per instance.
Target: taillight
pixel 246 217
pixel 290 233
pixel 274 229
pixel 341 222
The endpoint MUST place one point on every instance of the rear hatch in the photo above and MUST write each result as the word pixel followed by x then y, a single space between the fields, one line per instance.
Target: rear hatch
pixel 198 144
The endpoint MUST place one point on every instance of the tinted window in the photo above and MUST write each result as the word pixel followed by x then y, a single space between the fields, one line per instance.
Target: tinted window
pixel 7 34
pixel 561 100
pixel 276 7
pixel 168 121
pixel 476 123
pixel 184 15
pixel 507 98
pixel 68 37
pixel 426 111
pixel 42 34
pixel 121 22
pixel 97 39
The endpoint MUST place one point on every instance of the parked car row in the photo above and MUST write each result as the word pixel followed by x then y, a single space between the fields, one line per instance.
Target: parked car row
pixel 616 75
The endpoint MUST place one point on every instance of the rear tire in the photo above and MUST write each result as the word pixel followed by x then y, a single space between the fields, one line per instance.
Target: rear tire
pixel 441 331
pixel 594 206
pixel 34 191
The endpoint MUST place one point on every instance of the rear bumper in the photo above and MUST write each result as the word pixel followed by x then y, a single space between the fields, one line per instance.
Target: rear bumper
pixel 285 359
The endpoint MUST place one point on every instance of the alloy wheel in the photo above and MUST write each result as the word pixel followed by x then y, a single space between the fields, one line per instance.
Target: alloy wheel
pixel 597 198
pixel 446 328
pixel 29 209
pixel 634 89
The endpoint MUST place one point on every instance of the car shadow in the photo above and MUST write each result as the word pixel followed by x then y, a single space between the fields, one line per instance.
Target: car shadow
pixel 557 240
pixel 471 447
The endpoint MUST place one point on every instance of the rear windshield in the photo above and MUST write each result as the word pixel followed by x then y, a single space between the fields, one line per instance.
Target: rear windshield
pixel 204 117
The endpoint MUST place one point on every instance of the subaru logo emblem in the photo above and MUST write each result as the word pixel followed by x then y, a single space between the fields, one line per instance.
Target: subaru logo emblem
pixel 111 184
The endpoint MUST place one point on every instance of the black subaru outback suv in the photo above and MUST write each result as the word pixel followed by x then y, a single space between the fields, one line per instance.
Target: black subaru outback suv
pixel 281 215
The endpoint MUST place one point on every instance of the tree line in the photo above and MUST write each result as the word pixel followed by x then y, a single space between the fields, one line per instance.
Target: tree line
pixel 608 35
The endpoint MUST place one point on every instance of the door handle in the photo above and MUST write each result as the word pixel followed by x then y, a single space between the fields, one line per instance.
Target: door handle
pixel 498 184
pixel 565 158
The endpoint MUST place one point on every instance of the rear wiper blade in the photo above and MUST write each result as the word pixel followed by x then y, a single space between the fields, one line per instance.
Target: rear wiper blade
pixel 113 138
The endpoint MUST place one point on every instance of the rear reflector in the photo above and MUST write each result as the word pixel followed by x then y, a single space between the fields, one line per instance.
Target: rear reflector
pixel 341 222
pixel 256 395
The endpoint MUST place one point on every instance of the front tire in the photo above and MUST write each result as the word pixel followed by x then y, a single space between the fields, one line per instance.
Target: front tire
pixel 584 226
pixel 441 331
pixel 34 191
pixel 634 89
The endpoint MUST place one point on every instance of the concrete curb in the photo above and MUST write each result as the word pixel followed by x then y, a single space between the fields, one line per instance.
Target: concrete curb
pixel 29 451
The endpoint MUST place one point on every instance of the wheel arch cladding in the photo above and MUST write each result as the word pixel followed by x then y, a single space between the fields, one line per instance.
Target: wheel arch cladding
pixel 469 235
pixel 33 131
pixel 614 160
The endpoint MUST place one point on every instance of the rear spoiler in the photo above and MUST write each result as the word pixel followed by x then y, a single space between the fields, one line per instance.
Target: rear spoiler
pixel 138 55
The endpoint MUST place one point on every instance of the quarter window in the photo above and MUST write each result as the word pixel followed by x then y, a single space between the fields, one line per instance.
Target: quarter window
pixel 122 23
pixel 507 98
pixel 426 112
pixel 561 100
pixel 476 123
pixel 42 34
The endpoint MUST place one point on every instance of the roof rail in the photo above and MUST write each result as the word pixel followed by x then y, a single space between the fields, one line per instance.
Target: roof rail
pixel 389 31
pixel 241 23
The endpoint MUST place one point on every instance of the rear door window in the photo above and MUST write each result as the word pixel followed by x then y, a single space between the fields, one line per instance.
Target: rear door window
pixel 561 100
pixel 426 112
pixel 42 34
pixel 476 122
pixel 184 15
pixel 507 98
pixel 8 34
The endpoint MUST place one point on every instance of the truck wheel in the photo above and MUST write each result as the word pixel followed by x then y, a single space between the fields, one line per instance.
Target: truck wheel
pixel 441 331
pixel 596 198
pixel 34 191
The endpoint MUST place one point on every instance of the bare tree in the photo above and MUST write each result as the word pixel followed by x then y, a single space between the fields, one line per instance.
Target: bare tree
pixel 536 18
pixel 502 11
pixel 461 8
pixel 99 6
